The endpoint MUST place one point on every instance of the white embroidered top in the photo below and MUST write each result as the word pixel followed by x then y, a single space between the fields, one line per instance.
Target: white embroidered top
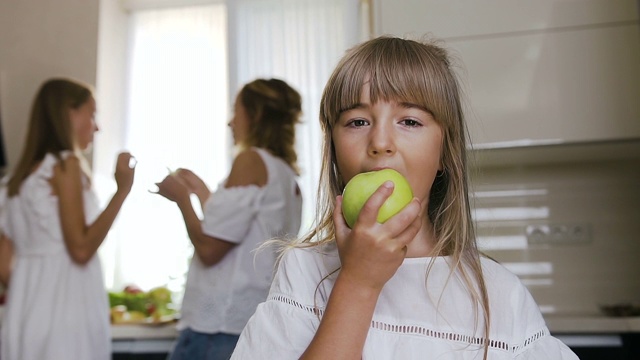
pixel 56 309
pixel 222 298
pixel 413 319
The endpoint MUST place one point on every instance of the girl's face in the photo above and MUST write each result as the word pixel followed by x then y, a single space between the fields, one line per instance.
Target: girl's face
pixel 240 123
pixel 401 136
pixel 83 122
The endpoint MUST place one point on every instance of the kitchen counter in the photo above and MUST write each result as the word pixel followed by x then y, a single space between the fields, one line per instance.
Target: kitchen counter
pixel 575 331
pixel 164 331
pixel 586 324
pixel 143 339
pixel 592 324
pixel 589 328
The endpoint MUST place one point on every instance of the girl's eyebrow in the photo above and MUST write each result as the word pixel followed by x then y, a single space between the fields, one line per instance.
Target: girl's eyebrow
pixel 409 105
pixel 351 107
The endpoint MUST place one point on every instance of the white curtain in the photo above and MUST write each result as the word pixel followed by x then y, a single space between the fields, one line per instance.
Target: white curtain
pixel 298 41
pixel 177 115
pixel 185 67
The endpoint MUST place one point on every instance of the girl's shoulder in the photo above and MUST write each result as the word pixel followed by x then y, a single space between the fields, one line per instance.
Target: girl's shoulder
pixel 495 271
pixel 304 267
pixel 305 275
pixel 310 255
pixel 507 291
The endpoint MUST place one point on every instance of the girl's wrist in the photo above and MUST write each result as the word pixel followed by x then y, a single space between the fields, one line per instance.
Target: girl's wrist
pixel 357 288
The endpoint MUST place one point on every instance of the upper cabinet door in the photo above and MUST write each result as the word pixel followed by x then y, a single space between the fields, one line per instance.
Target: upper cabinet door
pixel 534 72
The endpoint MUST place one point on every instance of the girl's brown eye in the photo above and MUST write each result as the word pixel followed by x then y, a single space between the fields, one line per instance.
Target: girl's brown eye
pixel 411 122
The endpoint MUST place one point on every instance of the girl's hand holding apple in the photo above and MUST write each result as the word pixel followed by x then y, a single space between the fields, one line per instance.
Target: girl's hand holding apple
pixel 371 252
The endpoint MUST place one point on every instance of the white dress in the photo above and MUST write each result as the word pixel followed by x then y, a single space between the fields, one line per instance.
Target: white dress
pixel 411 319
pixel 56 309
pixel 222 298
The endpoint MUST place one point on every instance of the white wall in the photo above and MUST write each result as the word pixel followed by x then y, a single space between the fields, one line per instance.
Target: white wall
pixel 535 72
pixel 111 84
pixel 40 39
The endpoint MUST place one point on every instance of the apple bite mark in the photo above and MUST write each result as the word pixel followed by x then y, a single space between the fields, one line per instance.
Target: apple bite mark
pixel 362 186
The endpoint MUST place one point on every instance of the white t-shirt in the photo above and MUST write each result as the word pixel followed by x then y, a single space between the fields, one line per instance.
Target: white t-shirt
pixel 56 309
pixel 411 320
pixel 222 298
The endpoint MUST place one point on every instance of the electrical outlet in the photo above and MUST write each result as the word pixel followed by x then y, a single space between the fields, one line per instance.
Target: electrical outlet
pixel 570 233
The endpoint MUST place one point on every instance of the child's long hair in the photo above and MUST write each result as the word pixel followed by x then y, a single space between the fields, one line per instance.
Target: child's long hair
pixel 419 73
pixel 50 129
pixel 274 109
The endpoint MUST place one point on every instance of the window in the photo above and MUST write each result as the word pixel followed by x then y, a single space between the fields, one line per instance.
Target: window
pixel 184 67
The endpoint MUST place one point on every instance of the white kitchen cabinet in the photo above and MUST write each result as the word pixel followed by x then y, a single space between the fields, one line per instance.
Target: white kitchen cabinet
pixel 535 72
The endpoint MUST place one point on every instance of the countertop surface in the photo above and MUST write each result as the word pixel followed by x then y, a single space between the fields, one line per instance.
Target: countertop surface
pixel 592 324
pixel 140 332
pixel 558 324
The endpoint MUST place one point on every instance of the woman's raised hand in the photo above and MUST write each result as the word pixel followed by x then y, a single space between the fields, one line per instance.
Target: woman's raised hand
pixel 194 183
pixel 173 188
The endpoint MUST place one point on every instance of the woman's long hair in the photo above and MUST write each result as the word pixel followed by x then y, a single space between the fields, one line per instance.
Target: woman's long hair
pixel 274 109
pixel 50 129
pixel 419 73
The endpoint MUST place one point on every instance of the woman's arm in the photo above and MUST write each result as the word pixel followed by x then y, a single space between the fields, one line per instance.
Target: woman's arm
pixel 195 185
pixel 82 240
pixel 370 254
pixel 209 250
pixel 247 169
pixel 6 259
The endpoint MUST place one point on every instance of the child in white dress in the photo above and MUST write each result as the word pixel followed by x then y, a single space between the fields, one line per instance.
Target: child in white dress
pixel 57 306
pixel 415 286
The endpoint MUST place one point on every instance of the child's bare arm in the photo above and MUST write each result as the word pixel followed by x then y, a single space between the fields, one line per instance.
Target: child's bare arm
pixel 82 240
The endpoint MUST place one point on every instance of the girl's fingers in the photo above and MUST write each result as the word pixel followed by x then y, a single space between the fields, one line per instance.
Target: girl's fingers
pixel 369 213
pixel 405 225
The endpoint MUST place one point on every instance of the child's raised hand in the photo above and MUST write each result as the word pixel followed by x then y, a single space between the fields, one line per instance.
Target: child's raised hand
pixel 371 252
pixel 125 171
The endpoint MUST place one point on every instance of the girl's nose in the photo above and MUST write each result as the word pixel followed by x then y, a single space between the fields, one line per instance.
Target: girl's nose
pixel 381 141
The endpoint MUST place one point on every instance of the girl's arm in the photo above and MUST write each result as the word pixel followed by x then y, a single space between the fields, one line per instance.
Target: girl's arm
pixel 370 254
pixel 82 240
pixel 247 169
pixel 6 259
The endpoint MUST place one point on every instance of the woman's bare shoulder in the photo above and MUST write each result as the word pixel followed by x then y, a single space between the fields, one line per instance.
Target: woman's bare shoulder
pixel 248 169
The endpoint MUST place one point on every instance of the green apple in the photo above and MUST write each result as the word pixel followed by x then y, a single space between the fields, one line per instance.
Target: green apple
pixel 362 186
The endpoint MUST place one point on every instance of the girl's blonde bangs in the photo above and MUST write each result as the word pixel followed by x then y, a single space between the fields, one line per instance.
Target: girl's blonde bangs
pixel 395 72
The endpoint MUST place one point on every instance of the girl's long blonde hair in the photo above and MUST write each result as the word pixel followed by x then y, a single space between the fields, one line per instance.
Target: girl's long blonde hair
pixel 50 129
pixel 420 73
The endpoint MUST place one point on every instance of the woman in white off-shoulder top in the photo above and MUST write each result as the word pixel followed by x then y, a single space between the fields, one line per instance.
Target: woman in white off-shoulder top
pixel 259 200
